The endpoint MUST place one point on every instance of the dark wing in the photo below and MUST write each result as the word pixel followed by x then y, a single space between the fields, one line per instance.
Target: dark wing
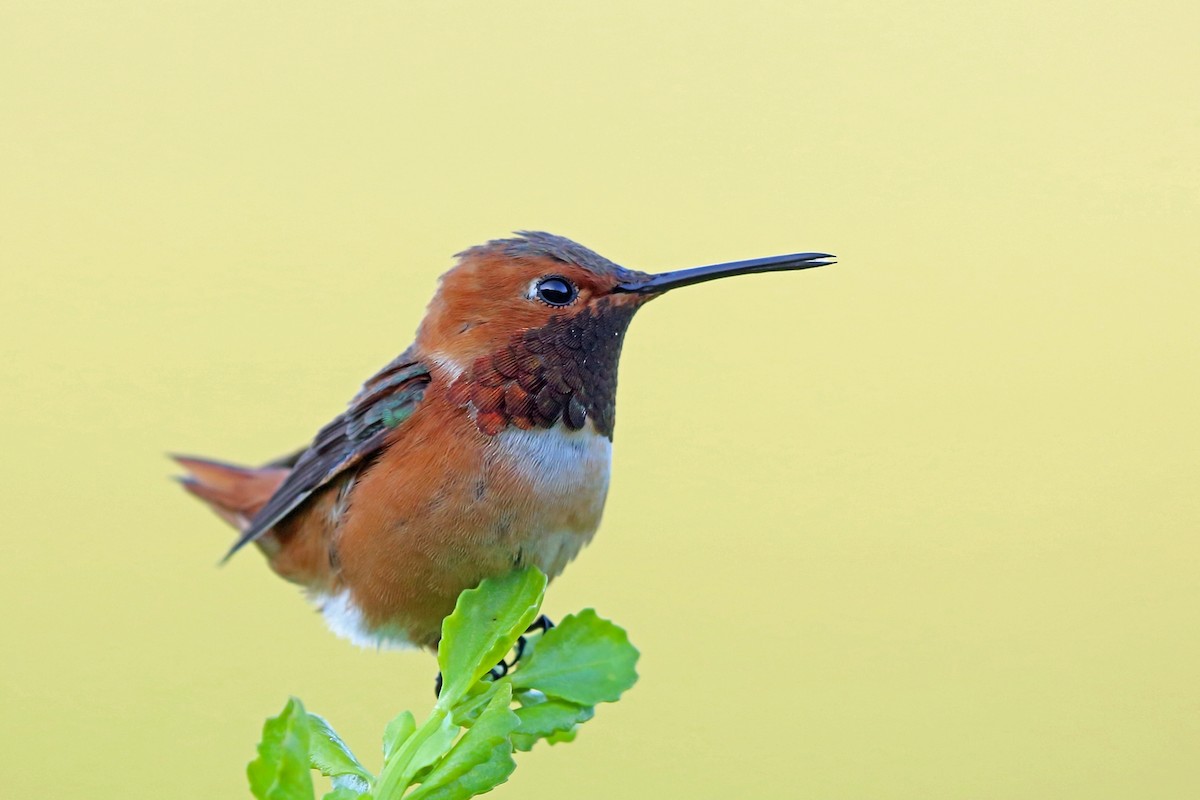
pixel 288 461
pixel 386 400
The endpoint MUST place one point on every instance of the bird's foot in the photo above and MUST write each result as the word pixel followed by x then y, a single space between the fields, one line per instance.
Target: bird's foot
pixel 541 624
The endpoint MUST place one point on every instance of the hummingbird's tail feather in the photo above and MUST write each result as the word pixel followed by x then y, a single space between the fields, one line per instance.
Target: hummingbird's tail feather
pixel 235 493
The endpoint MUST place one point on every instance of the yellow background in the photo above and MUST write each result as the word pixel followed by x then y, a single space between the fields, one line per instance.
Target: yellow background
pixel 920 525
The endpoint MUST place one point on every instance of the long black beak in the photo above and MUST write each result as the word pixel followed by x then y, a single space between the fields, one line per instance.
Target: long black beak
pixel 665 281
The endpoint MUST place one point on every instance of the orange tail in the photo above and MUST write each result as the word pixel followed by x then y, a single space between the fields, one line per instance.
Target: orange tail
pixel 235 493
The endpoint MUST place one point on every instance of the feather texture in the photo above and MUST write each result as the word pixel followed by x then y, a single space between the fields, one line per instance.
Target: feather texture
pixel 384 403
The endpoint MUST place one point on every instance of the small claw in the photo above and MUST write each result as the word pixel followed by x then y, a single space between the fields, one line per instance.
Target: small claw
pixel 499 671
pixel 542 623
pixel 518 651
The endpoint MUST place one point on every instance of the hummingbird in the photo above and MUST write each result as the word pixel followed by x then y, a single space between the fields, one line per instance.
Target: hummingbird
pixel 482 448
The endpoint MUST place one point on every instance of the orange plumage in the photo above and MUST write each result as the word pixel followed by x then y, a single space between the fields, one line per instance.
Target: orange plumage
pixel 484 447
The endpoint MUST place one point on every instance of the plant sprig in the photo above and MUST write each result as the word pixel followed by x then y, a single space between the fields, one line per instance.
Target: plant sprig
pixel 465 746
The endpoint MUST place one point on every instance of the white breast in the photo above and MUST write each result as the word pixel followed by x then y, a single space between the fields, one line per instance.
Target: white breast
pixel 567 472
pixel 559 461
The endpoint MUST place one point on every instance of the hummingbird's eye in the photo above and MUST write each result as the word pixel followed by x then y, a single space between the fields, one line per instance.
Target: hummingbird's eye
pixel 556 291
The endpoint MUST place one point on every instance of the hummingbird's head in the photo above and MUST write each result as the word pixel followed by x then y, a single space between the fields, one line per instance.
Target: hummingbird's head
pixel 508 286
pixel 530 329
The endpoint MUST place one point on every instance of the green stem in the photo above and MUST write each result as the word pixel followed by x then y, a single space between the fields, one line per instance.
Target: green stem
pixel 398 774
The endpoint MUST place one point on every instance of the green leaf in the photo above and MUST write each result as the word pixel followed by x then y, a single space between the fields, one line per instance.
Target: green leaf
pixel 543 720
pixel 346 793
pixel 480 760
pixel 434 747
pixel 478 780
pixel 522 743
pixel 484 626
pixel 397 732
pixel 328 754
pixel 585 660
pixel 408 752
pixel 281 770
pixel 473 703
pixel 562 736
pixel 525 743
